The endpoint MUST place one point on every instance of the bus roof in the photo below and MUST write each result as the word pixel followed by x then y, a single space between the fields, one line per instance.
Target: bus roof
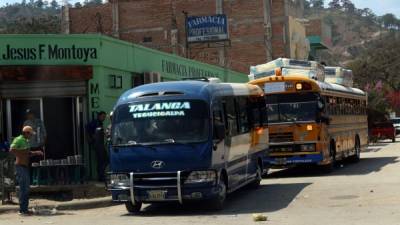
pixel 189 89
pixel 323 86
pixel 340 88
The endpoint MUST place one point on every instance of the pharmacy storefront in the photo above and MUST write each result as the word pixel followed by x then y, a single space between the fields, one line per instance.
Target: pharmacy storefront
pixel 66 79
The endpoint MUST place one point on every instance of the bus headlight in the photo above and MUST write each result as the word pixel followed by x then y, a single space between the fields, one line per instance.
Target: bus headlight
pixel 196 177
pixel 119 180
pixel 307 148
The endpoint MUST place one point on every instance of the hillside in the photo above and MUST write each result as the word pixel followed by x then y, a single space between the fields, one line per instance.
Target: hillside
pixel 34 17
pixel 352 29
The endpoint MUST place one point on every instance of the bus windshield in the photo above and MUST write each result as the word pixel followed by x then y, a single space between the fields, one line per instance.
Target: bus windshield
pixel 155 122
pixel 291 107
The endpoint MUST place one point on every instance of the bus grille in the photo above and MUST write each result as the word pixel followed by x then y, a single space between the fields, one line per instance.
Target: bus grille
pixel 154 180
pixel 281 137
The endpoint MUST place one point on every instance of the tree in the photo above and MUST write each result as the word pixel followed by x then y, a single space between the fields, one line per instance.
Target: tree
pixel 317 4
pixel 348 6
pixel 78 5
pixel 92 2
pixel 335 4
pixel 307 5
pixel 369 15
pixel 54 4
pixel 389 21
pixel 39 3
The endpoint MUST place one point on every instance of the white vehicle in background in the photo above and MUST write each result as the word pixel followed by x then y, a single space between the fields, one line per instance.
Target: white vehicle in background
pixel 396 124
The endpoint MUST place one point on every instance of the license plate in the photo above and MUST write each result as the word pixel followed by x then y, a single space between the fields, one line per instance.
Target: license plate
pixel 156 195
pixel 280 161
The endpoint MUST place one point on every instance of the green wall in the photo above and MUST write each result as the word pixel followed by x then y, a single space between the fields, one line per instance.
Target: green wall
pixel 107 56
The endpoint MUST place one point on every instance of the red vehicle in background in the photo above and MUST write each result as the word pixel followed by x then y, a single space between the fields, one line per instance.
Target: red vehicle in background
pixel 383 130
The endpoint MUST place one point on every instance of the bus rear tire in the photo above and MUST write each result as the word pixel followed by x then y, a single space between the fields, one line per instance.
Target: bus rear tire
pixel 133 209
pixel 357 148
pixel 218 202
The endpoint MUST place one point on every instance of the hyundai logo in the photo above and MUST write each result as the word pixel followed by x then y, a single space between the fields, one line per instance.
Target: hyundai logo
pixel 157 164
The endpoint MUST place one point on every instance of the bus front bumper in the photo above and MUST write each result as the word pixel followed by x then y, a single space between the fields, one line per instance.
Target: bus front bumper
pixel 167 193
pixel 291 159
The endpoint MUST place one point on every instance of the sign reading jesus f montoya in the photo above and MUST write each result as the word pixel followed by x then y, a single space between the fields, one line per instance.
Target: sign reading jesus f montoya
pixel 207 28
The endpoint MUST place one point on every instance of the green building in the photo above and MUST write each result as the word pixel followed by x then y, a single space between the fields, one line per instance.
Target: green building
pixel 67 79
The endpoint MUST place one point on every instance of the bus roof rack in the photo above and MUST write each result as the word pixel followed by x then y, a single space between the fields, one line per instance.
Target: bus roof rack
pixel 205 79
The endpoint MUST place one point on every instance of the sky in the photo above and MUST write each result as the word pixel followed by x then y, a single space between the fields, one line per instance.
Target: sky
pixel 380 7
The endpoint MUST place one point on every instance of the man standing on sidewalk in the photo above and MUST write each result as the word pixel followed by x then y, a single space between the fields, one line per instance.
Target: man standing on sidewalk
pixel 21 149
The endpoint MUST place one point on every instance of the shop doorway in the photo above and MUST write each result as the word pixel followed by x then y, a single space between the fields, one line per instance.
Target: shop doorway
pixel 16 111
pixel 62 117
pixel 59 121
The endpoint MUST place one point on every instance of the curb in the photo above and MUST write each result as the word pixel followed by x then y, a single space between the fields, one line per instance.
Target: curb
pixel 86 204
pixel 74 205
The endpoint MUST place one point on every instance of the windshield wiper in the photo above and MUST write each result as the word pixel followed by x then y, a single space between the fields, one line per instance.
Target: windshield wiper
pixel 133 143
pixel 172 141
pixel 291 120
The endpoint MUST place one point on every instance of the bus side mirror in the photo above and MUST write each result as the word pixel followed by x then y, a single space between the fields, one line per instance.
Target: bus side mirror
pixel 219 131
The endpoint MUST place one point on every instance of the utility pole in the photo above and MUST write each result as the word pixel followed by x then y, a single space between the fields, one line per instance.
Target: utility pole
pixel 268 29
pixel 221 51
pixel 65 20
pixel 186 34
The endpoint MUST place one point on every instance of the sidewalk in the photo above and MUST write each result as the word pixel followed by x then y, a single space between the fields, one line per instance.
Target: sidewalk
pixel 76 204
pixel 87 196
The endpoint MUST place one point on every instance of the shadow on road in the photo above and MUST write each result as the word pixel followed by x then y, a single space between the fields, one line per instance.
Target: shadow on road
pixel 365 166
pixel 375 147
pixel 267 198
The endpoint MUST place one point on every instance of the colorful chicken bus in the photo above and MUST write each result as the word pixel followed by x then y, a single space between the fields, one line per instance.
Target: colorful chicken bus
pixel 312 122
pixel 186 140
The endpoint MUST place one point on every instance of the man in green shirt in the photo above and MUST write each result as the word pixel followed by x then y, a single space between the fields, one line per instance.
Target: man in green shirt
pixel 21 149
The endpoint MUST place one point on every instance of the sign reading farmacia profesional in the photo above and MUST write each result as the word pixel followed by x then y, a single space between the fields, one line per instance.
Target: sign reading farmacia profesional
pixel 48 52
pixel 207 28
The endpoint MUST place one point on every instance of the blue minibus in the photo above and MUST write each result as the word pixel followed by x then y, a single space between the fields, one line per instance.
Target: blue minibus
pixel 186 140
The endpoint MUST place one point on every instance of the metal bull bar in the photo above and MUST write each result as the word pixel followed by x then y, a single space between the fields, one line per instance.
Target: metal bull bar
pixel 178 187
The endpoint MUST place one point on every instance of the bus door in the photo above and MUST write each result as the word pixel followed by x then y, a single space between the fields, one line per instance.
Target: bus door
pixel 219 136
pixel 237 143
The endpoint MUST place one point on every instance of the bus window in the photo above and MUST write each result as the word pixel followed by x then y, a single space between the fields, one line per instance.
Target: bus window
pixel 217 123
pixel 241 108
pixel 230 117
pixel 257 112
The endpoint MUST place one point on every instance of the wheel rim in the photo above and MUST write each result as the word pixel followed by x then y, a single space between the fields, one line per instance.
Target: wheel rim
pixel 333 157
pixel 259 173
pixel 222 193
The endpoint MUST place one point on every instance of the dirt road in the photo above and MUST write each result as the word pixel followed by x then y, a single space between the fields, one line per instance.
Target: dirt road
pixel 364 193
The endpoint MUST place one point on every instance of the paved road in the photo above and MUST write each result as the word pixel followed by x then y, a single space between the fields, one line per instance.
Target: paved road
pixel 363 193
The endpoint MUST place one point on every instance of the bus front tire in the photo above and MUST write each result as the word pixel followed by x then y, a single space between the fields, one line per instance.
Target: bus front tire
pixel 328 168
pixel 218 202
pixel 256 183
pixel 133 209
